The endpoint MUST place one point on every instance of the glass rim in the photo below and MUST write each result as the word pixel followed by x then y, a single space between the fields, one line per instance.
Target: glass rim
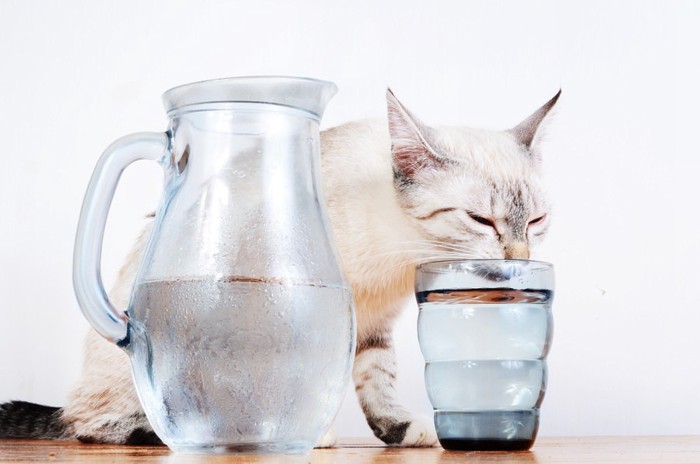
pixel 439 266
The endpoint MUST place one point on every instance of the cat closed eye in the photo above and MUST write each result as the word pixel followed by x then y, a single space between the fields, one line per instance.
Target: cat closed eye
pixel 482 220
pixel 537 220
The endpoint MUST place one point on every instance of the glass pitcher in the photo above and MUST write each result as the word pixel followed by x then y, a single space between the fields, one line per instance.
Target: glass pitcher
pixel 240 328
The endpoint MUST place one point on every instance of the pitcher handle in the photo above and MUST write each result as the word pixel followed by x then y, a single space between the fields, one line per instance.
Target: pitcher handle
pixel 109 322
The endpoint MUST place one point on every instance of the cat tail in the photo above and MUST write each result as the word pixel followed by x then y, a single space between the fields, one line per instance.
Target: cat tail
pixel 19 419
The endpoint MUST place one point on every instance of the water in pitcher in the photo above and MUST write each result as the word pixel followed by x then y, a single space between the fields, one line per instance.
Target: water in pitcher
pixel 229 357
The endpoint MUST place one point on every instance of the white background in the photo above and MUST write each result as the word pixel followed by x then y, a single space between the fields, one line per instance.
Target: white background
pixel 622 161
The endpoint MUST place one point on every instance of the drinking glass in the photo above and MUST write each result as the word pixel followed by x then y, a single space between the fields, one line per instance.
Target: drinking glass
pixel 485 327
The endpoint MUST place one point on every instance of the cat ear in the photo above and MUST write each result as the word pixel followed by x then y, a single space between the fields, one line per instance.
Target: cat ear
pixel 527 131
pixel 411 148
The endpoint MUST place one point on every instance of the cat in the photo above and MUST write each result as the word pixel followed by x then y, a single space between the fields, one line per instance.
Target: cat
pixel 395 198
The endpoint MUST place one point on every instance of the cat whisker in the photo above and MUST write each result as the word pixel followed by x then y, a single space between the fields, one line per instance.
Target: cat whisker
pixel 441 245
pixel 424 252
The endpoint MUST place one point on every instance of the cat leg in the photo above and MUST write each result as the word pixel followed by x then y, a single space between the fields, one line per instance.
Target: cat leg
pixel 328 440
pixel 103 406
pixel 374 374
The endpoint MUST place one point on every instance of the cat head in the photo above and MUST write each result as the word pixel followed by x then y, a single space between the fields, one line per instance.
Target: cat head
pixel 471 193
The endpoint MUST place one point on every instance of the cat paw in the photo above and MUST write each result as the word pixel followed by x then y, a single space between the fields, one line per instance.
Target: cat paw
pixel 328 440
pixel 417 432
pixel 420 433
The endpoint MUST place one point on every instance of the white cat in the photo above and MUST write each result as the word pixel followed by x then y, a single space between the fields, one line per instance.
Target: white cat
pixel 395 197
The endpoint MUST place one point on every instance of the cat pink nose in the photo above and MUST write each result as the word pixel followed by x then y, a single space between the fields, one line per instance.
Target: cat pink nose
pixel 517 250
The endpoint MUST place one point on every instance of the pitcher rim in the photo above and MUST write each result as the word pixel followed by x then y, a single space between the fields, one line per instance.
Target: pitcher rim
pixel 304 93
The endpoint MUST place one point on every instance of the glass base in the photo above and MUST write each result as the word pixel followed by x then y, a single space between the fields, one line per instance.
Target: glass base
pixel 469 444
pixel 487 430
pixel 296 447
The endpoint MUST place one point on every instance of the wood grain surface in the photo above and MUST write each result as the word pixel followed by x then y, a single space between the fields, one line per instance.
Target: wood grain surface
pixel 637 450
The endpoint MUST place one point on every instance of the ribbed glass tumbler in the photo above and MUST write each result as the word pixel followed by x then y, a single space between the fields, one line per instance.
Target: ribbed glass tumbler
pixel 484 328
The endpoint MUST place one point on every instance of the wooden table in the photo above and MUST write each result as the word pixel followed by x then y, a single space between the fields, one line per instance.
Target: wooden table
pixel 637 450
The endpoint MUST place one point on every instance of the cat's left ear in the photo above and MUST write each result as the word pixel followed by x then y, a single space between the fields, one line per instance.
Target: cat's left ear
pixel 528 131
pixel 412 149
